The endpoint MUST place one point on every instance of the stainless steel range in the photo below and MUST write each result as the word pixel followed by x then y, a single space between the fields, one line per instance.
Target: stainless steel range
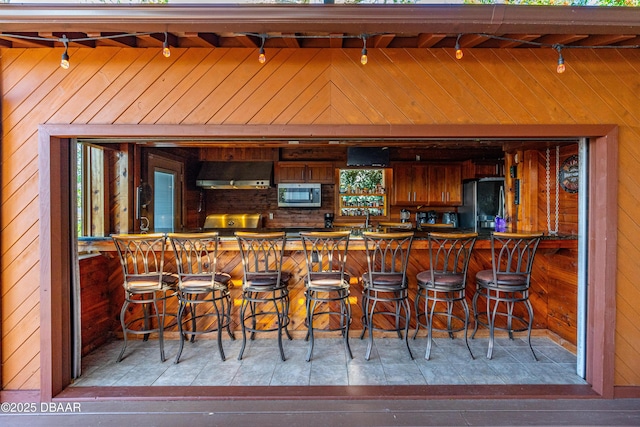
pixel 233 221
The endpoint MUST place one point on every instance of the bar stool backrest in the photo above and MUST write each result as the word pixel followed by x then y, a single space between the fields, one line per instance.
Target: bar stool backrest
pixel 387 254
pixel 449 253
pixel 262 254
pixel 142 259
pixel 325 253
pixel 513 253
pixel 196 256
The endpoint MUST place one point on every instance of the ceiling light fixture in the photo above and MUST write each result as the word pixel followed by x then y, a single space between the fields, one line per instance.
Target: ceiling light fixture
pixel 64 61
pixel 363 58
pixel 459 53
pixel 261 56
pixel 165 46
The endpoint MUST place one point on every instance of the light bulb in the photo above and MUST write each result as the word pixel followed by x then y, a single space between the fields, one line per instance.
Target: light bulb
pixel 561 68
pixel 165 46
pixel 364 59
pixel 459 53
pixel 64 62
pixel 261 56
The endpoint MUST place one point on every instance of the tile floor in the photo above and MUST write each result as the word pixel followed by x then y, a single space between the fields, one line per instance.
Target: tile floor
pixel 390 364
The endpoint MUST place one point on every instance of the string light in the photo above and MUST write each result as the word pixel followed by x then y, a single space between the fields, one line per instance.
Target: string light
pixel 561 67
pixel 165 46
pixel 64 61
pixel 261 56
pixel 363 58
pixel 459 53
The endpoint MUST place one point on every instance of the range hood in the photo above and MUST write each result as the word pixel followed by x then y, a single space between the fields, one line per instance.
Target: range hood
pixel 235 175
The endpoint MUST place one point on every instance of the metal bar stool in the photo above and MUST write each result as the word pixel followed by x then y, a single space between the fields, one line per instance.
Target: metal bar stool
pixel 327 282
pixel 146 283
pixel 385 282
pixel 445 282
pixel 201 283
pixel 265 295
pixel 506 284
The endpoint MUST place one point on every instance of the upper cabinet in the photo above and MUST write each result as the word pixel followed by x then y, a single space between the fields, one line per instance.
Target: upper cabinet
pixel 321 172
pixel 410 183
pixel 429 184
pixel 472 169
pixel 445 185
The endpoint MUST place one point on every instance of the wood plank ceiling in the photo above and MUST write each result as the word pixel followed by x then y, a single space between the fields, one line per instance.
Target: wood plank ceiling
pixel 319 26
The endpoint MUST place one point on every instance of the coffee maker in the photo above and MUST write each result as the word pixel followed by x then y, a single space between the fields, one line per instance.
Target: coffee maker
pixel 328 220
pixel 405 215
pixel 421 218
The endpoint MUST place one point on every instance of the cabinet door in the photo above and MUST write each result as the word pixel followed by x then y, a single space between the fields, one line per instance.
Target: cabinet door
pixel 454 185
pixel 421 184
pixel 445 185
pixel 321 172
pixel 402 184
pixel 438 184
pixel 290 172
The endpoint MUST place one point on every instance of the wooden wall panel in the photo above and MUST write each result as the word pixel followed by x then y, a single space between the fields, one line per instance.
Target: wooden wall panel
pixel 397 87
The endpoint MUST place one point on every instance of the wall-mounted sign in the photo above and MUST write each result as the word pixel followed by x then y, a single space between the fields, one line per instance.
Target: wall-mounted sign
pixel 568 175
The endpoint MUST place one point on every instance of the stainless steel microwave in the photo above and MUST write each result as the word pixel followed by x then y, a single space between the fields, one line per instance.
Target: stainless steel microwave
pixel 299 195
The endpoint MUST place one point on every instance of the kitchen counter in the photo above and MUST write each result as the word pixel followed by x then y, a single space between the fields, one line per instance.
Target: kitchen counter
pixel 228 241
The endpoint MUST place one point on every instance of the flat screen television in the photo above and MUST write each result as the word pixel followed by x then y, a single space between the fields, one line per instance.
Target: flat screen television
pixel 368 156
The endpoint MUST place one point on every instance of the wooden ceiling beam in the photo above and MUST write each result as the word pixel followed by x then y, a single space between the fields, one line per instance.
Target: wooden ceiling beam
pixel 518 40
pixel 27 43
pixel 75 43
pixel 110 39
pixel 289 40
pixel 381 40
pixel 604 39
pixel 335 40
pixel 199 39
pixel 246 41
pixel 426 41
pixel 564 39
pixel 472 40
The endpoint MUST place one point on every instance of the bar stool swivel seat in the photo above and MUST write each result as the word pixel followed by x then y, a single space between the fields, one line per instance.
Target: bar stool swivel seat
pixel 385 286
pixel 265 292
pixel 327 284
pixel 200 284
pixel 505 285
pixel 145 283
pixel 445 282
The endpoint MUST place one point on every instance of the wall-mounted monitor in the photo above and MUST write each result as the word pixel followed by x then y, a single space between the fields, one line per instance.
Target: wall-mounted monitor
pixel 368 156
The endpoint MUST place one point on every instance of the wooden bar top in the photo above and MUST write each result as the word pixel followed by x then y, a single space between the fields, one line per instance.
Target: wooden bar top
pixel 228 241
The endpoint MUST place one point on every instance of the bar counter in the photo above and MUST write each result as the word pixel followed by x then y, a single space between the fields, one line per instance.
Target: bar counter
pixel 553 284
pixel 229 243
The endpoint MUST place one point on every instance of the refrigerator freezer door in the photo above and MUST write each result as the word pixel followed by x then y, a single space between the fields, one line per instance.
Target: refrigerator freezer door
pixel 468 212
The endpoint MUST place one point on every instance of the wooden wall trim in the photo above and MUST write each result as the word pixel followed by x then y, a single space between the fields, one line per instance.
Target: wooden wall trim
pixel 226 132
pixel 602 259
pixel 55 275
pixel 602 262
pixel 626 392
pixel 20 396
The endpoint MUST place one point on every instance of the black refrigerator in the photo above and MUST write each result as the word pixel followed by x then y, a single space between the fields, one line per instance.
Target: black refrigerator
pixel 483 200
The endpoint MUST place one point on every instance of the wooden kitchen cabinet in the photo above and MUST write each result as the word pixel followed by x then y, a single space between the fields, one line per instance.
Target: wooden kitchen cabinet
pixel 321 172
pixel 410 183
pixel 427 184
pixel 445 184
